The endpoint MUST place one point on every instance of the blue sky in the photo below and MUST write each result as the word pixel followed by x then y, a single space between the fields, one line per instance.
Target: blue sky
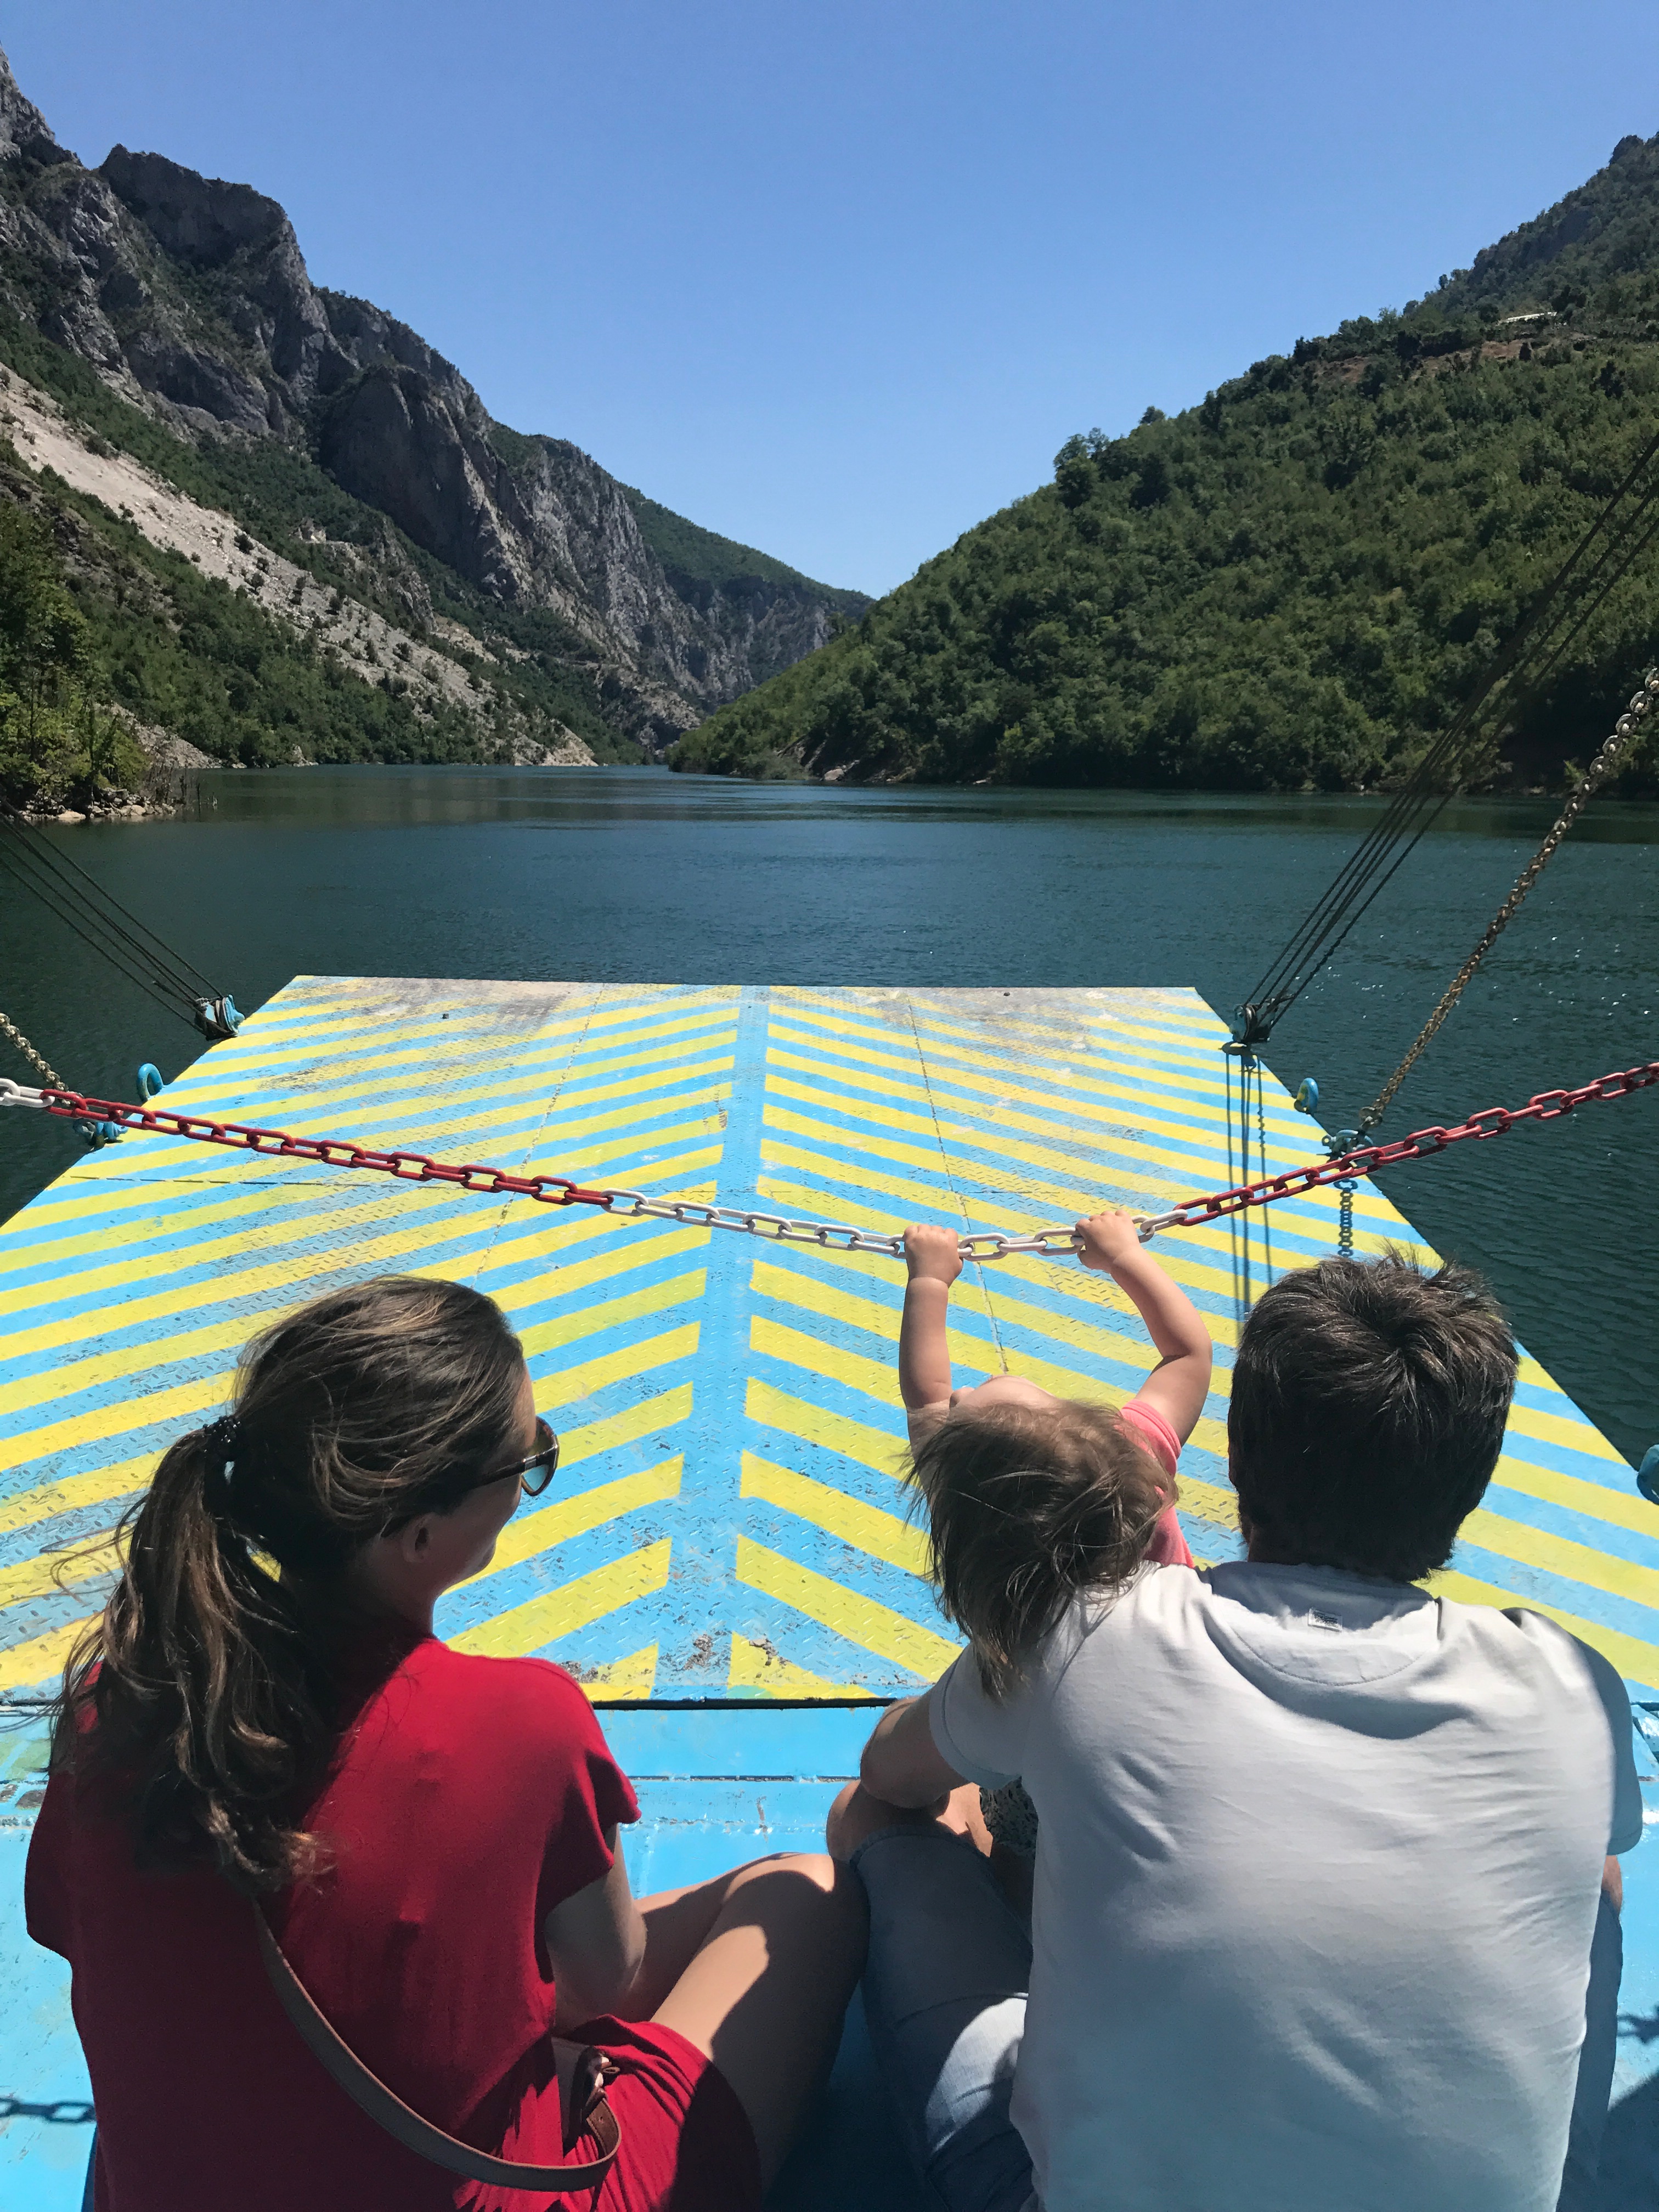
pixel 837 280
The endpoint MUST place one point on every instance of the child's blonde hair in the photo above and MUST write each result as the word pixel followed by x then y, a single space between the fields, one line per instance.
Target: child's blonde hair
pixel 1028 1505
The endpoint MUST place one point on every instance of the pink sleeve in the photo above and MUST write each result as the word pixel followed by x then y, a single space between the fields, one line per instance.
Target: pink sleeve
pixel 1168 1547
pixel 1154 1432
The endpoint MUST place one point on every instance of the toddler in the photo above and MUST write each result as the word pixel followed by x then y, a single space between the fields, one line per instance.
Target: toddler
pixel 1031 1498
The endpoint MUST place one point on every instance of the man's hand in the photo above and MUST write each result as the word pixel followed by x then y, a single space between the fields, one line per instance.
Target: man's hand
pixel 933 1254
pixel 1108 1240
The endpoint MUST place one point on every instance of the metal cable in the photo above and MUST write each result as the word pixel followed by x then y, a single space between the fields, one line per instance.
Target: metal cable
pixel 173 965
pixel 1555 618
pixel 1629 725
pixel 143 982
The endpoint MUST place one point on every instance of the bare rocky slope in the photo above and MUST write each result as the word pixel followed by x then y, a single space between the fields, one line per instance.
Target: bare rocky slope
pixel 189 300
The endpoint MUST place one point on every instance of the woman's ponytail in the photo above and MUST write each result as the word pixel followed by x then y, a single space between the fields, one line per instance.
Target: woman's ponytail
pixel 205 1696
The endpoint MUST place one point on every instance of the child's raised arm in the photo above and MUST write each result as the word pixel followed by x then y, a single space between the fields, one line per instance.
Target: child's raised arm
pixel 1179 1384
pixel 924 1358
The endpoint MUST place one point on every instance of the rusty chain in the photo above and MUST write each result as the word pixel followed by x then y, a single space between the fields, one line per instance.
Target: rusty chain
pixel 832 1236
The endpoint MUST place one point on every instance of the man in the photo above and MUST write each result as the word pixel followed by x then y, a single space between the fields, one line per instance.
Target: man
pixel 1321 1856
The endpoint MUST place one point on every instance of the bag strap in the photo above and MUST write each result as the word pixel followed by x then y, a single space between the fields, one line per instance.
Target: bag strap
pixel 581 2070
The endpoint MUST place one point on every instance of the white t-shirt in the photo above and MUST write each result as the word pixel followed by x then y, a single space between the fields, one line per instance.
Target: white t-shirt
pixel 1316 1883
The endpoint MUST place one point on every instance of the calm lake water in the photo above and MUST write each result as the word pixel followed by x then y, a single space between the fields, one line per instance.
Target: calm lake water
pixel 634 875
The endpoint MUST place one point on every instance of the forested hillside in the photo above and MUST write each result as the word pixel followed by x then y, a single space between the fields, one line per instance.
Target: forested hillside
pixel 1295 583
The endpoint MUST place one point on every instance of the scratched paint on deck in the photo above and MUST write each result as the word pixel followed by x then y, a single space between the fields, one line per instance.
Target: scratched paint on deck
pixel 730 1518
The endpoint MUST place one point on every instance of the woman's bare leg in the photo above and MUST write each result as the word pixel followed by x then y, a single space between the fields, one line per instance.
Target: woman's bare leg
pixel 756 1968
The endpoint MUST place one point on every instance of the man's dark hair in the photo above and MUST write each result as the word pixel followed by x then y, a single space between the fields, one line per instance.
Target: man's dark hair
pixel 1368 1402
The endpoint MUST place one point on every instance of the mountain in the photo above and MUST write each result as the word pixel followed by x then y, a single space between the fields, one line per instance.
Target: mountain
pixel 162 322
pixel 1294 584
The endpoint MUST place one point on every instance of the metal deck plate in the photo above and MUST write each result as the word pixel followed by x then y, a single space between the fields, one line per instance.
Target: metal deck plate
pixel 729 1519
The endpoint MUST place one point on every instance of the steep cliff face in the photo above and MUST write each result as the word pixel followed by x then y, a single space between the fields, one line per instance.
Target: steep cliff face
pixel 190 296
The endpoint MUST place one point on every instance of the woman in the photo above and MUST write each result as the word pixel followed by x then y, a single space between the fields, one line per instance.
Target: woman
pixel 263 1722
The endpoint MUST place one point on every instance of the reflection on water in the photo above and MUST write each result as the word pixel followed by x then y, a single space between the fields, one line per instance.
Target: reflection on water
pixel 636 875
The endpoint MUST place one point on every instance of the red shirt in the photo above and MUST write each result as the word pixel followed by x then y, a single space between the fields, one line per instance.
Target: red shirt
pixel 467 1797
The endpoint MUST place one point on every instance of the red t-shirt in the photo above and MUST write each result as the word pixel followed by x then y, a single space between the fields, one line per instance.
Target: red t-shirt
pixel 1167 1547
pixel 467 1797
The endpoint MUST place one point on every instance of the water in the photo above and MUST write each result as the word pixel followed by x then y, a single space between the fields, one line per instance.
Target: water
pixel 632 875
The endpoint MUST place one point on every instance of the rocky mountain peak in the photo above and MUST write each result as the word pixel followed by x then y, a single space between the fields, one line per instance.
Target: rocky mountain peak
pixel 23 129
pixel 200 220
pixel 190 296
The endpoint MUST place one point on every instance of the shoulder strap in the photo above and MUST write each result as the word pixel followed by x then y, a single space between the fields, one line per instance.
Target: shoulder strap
pixel 581 2083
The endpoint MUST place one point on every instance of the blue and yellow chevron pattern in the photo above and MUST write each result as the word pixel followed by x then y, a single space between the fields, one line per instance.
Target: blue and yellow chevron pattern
pixel 730 1519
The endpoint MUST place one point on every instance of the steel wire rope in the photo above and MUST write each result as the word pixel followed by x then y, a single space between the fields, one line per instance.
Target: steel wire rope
pixel 92 927
pixel 115 959
pixel 172 969
pixel 87 923
pixel 1552 624
pixel 1415 793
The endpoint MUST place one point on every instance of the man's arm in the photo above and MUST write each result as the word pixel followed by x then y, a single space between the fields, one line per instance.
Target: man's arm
pixel 1180 1383
pixel 901 1763
pixel 924 1356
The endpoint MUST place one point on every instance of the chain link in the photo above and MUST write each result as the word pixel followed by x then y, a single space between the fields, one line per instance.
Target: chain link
pixel 1422 1144
pixel 7 1028
pixel 831 1236
pixel 1628 726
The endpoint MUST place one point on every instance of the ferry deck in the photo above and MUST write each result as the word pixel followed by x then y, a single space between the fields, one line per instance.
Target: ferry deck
pixel 725 1561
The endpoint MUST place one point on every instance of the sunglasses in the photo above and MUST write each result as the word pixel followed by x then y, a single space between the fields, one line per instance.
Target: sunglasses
pixel 535 1472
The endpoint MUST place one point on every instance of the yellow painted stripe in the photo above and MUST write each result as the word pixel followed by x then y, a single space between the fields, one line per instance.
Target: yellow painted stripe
pixel 521 1078
pixel 866 1527
pixel 1637 1660
pixel 529 1534
pixel 1559 1555
pixel 299 1218
pixel 1186 1173
pixel 73 1377
pixel 756 1667
pixel 1214 1502
pixel 622 1681
pixel 931 1204
pixel 99 1486
pixel 1065 1109
pixel 24 1664
pixel 611 1313
pixel 303 1266
pixel 186 1398
pixel 117 1231
pixel 813 1425
pixel 1577 1435
pixel 662 1412
pixel 1631 1511
pixel 795 1287
pixel 935 1036
pixel 595 1375
pixel 90 1428
pixel 57 1570
pixel 875 1378
pixel 468 1134
pixel 873 1627
pixel 565 1277
pixel 544 1620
